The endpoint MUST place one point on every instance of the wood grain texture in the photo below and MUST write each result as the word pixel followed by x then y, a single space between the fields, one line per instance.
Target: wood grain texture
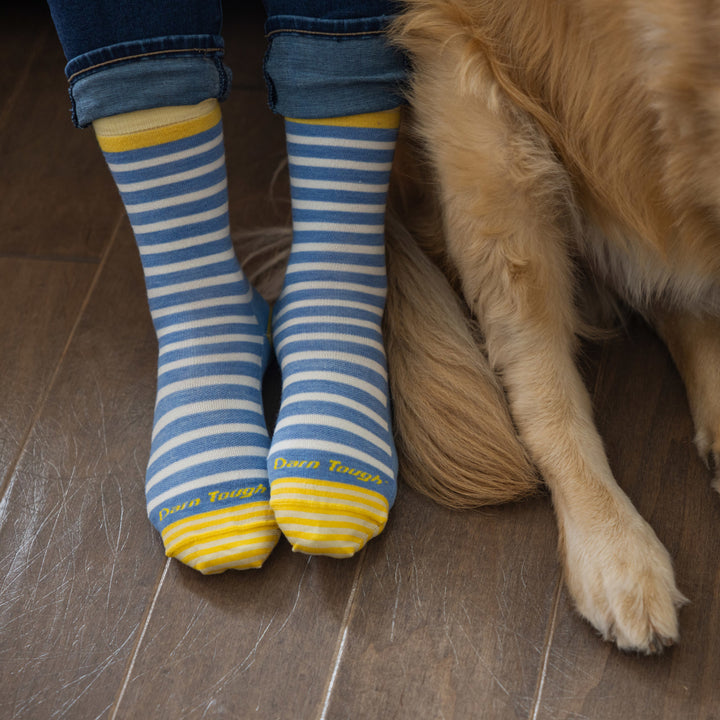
pixel 445 615
pixel 79 560
pixel 258 644
pixel 450 616
pixel 57 199
pixel 39 304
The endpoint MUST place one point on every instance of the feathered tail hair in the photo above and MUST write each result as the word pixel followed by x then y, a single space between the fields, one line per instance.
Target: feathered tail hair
pixel 454 435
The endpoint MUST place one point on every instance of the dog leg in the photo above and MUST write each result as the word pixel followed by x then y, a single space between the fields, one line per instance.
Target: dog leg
pixel 508 216
pixel 694 343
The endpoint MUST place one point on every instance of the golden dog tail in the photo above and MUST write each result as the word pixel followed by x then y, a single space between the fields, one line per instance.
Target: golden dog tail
pixel 455 438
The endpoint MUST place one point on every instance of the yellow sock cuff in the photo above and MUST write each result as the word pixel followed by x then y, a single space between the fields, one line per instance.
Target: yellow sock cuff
pixel 389 119
pixel 145 128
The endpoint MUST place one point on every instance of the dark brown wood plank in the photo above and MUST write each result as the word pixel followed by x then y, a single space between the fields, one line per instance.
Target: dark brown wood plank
pixel 643 416
pixel 450 616
pixel 244 44
pixel 39 305
pixel 258 182
pixel 79 561
pixel 22 38
pixel 56 195
pixel 242 644
pixel 256 159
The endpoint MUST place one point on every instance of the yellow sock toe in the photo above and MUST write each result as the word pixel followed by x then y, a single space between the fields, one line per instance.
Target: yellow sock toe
pixel 326 518
pixel 234 538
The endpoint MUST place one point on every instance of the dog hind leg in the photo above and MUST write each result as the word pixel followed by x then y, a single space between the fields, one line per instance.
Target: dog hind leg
pixel 694 343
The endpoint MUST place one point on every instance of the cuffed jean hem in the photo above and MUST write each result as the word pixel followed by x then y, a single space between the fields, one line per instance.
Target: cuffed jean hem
pixel 175 70
pixel 331 68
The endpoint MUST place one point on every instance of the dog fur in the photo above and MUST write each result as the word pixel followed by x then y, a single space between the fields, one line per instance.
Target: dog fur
pixel 551 135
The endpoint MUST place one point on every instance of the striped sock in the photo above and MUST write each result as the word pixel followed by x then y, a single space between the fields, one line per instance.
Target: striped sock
pixel 332 462
pixel 206 485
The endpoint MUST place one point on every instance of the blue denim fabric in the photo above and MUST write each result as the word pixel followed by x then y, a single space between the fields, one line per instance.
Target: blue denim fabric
pixel 325 58
pixel 331 9
pixel 137 54
pixel 147 82
pixel 329 58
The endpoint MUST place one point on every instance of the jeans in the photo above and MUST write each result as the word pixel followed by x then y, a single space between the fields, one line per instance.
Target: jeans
pixel 324 58
pixel 329 58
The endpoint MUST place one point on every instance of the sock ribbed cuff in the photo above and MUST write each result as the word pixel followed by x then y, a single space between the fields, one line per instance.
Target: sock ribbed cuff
pixel 145 128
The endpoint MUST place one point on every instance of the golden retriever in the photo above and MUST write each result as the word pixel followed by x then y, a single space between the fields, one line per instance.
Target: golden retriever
pixel 554 134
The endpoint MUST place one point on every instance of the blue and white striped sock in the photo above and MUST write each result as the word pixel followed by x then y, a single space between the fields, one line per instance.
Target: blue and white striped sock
pixel 206 485
pixel 332 462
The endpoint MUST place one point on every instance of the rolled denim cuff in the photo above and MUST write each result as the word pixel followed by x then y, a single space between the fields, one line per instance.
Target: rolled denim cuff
pixel 175 70
pixel 331 68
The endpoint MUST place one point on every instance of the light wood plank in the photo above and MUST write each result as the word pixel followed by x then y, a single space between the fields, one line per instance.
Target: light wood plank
pixel 242 644
pixel 450 616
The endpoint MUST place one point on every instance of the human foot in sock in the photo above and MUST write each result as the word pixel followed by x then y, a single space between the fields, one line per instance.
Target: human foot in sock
pixel 332 462
pixel 206 486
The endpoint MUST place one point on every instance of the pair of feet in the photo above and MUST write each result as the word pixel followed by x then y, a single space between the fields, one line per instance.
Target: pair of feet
pixel 219 491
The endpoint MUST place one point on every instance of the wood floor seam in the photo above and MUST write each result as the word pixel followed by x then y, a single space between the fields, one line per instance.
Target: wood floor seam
pixel 342 638
pixel 127 675
pixel 77 259
pixel 547 647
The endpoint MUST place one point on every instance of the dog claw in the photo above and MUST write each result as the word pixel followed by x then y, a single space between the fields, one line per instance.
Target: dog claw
pixel 711 462
pixel 658 644
pixel 716 484
pixel 710 457
pixel 655 645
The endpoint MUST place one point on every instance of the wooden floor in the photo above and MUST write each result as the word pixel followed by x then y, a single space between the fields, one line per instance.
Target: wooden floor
pixel 446 615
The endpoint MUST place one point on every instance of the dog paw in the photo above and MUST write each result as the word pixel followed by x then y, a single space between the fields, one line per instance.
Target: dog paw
pixel 707 447
pixel 623 583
